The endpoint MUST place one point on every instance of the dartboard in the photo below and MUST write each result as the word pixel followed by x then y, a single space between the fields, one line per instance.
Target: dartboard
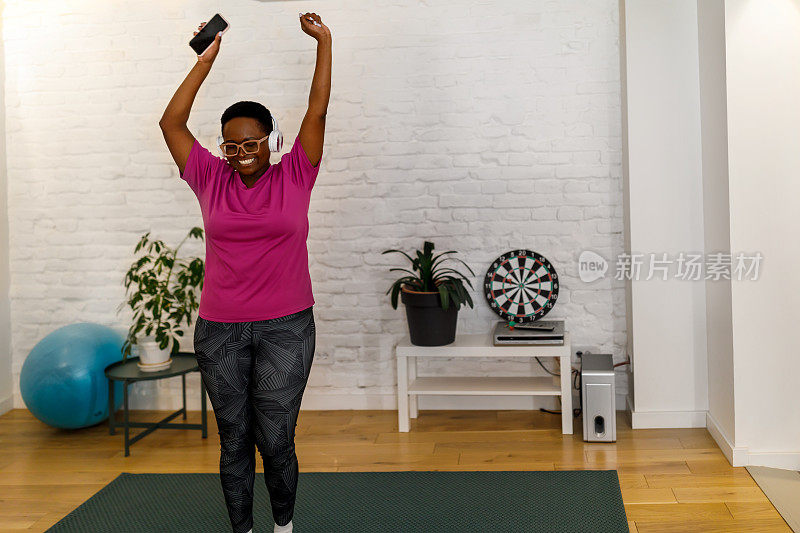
pixel 521 286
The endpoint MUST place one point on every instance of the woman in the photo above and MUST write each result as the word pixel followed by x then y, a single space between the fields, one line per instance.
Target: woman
pixel 255 335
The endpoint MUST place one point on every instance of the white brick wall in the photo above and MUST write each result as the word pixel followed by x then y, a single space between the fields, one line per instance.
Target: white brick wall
pixel 483 127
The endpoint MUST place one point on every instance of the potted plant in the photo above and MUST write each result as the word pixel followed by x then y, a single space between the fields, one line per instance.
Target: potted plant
pixel 432 298
pixel 158 305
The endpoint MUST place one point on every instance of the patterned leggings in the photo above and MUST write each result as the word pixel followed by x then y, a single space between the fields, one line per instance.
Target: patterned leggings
pixel 255 374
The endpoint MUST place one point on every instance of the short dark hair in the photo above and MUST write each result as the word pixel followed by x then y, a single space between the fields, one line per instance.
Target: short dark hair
pixel 249 109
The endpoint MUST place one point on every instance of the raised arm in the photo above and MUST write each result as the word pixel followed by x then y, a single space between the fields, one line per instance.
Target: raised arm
pixel 312 129
pixel 176 115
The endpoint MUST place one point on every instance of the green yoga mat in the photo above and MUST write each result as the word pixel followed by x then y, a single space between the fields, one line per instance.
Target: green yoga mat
pixel 366 502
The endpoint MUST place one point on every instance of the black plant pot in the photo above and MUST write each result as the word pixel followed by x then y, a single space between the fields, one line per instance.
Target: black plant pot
pixel 428 323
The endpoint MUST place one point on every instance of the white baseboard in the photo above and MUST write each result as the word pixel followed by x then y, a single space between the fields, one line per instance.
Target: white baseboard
pixel 325 402
pixel 735 456
pixel 152 398
pixel 6 404
pixel 782 460
pixel 320 401
pixel 666 419
pixel 742 456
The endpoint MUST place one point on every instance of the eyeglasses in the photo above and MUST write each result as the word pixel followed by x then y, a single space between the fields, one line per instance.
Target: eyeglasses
pixel 230 148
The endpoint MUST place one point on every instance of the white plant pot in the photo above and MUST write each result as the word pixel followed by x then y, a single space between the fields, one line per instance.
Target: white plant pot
pixel 151 357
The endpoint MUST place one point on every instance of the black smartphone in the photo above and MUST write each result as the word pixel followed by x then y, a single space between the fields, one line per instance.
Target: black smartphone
pixel 205 37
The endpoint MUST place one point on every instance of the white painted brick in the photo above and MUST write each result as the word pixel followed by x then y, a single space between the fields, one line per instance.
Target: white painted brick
pixel 481 145
pixel 589 157
pixel 531 172
pixel 576 186
pixel 511 200
pixel 544 213
pixel 453 200
pixel 599 212
pixel 582 171
pixel 587 198
pixel 568 212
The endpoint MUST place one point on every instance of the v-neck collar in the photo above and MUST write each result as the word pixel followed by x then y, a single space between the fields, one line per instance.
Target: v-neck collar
pixel 241 185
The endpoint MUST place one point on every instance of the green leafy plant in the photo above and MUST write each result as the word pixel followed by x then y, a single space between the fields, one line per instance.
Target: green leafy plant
pixel 430 279
pixel 159 306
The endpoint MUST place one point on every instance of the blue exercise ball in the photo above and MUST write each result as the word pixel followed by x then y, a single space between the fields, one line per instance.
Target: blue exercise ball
pixel 63 382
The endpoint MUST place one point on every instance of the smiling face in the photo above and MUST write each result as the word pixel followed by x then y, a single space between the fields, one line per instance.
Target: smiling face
pixel 242 129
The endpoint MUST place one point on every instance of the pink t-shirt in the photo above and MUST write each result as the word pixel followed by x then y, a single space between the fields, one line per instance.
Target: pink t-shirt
pixel 256 265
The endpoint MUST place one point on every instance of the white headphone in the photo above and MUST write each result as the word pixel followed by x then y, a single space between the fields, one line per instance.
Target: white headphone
pixel 274 142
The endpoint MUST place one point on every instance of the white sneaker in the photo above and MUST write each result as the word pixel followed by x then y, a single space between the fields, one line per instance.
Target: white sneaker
pixel 283 529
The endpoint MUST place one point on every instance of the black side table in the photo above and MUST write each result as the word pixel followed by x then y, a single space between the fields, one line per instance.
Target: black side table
pixel 128 372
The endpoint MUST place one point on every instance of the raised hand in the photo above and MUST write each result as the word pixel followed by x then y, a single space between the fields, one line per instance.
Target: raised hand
pixel 211 52
pixel 312 24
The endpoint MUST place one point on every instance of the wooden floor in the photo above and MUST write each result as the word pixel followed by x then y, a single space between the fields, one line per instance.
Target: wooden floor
pixel 673 480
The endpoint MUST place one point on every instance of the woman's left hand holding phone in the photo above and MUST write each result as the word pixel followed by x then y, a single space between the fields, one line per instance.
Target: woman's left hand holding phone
pixel 211 52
